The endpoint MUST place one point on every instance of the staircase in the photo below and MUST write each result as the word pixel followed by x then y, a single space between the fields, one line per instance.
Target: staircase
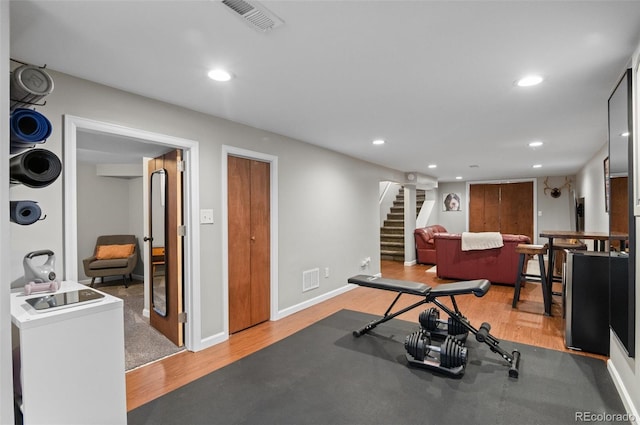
pixel 392 233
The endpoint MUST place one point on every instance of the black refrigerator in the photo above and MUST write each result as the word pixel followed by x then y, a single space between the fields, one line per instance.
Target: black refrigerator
pixel 586 286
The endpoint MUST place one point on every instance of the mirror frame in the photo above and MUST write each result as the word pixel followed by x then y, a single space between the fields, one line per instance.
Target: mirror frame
pixel 163 193
pixel 625 290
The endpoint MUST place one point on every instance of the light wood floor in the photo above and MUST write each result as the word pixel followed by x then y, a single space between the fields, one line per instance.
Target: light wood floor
pixel 526 324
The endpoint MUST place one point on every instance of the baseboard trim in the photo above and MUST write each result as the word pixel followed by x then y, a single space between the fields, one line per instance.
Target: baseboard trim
pixel 313 301
pixel 627 400
pixel 211 341
pixel 411 263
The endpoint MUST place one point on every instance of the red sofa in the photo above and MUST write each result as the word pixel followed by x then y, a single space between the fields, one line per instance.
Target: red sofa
pixel 425 244
pixel 498 265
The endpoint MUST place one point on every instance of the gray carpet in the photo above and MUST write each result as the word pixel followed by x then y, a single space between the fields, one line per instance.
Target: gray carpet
pixel 323 375
pixel 142 343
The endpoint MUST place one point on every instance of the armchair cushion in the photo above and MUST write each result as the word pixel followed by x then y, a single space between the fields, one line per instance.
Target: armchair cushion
pixel 109 264
pixel 108 252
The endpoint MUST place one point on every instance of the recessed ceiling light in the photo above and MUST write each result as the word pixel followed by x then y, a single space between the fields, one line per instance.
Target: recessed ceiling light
pixel 537 166
pixel 378 142
pixel 432 165
pixel 219 75
pixel 458 177
pixel 625 134
pixel 529 80
pixel 536 144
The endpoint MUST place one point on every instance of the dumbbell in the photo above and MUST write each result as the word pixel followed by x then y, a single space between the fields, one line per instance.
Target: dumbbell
pixel 452 353
pixel 431 322
pixel 32 287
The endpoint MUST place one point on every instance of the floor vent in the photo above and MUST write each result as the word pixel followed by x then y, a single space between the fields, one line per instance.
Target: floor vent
pixel 257 16
pixel 310 279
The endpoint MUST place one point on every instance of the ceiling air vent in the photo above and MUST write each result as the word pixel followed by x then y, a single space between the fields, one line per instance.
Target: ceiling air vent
pixel 257 16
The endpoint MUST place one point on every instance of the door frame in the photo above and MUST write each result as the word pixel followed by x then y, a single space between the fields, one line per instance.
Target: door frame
pixel 191 185
pixel 535 199
pixel 273 228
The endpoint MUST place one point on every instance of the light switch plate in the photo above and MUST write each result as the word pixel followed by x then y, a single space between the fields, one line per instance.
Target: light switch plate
pixel 206 216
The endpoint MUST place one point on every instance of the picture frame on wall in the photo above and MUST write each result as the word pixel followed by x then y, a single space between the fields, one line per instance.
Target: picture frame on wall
pixel 607 184
pixel 451 202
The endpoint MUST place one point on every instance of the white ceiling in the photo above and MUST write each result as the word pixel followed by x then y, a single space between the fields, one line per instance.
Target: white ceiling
pixel 433 78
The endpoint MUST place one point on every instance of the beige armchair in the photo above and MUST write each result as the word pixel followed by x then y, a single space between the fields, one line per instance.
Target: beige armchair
pixel 113 255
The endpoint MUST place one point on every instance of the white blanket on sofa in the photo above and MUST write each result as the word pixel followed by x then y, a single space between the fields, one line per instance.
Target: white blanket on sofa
pixel 481 240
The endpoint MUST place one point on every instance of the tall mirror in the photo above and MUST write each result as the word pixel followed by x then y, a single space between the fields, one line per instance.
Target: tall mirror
pixel 158 231
pixel 621 218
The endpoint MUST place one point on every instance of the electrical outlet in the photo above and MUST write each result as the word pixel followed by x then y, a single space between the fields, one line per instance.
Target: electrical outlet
pixel 326 272
pixel 206 216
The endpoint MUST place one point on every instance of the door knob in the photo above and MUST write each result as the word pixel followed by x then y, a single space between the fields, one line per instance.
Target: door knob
pixel 147 239
pixel 253 238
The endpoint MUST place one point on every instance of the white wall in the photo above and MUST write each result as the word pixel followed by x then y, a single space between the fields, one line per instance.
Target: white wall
pixel 590 185
pixel 453 221
pixel 328 203
pixel 554 213
pixel 107 206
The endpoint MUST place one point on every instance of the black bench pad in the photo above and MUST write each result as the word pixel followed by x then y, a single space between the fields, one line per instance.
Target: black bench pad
pixel 404 286
pixel 478 287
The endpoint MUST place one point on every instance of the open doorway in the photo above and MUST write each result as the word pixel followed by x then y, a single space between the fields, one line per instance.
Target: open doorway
pixel 110 148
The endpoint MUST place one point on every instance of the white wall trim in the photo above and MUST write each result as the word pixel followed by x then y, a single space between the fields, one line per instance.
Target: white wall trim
pixel 313 301
pixel 72 124
pixel 6 381
pixel 627 400
pixel 273 168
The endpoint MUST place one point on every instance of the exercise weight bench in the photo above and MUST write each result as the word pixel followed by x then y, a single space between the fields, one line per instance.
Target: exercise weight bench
pixel 452 353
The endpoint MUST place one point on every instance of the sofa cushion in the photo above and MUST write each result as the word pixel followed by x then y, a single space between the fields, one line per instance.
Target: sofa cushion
pixel 109 252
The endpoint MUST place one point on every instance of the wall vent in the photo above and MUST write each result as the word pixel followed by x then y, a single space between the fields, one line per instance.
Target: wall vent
pixel 310 279
pixel 256 15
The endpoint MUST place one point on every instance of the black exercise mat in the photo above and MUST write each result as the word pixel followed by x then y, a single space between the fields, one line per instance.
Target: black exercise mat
pixel 324 375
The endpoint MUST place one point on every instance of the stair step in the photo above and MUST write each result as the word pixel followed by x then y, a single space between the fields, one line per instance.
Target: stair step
pixel 392 246
pixel 392 230
pixel 391 252
pixel 391 258
pixel 395 216
pixel 394 223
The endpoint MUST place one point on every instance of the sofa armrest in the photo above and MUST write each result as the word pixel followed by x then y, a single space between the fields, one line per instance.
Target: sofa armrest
pixel 422 237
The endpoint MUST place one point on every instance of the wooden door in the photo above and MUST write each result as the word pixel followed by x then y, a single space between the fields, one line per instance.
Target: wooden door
pixel 249 242
pixel 170 324
pixel 484 208
pixel 504 208
pixel 516 208
pixel 619 207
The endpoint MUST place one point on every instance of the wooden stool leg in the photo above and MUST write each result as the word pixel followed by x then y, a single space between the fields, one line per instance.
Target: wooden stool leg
pixel 546 291
pixel 516 292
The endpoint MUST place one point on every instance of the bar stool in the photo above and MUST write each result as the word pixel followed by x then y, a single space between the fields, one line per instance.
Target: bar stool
pixel 526 250
pixel 559 256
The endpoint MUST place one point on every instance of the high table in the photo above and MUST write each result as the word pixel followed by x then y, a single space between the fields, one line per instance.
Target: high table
pixel 599 245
